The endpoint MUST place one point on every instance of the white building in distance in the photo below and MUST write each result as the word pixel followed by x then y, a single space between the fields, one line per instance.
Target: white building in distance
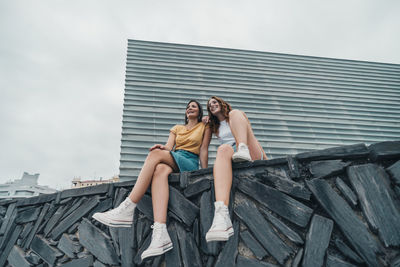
pixel 27 186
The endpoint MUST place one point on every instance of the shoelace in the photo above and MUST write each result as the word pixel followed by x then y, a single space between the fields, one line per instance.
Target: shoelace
pixel 122 206
pixel 219 217
pixel 157 231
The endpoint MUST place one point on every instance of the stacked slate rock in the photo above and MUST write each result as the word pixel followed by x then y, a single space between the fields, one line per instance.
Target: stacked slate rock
pixel 333 207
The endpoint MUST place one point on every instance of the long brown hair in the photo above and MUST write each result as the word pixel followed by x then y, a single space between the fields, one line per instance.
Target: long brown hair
pixel 225 109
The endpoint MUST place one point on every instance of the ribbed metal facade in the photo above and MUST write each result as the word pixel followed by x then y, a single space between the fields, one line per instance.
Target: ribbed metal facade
pixel 295 103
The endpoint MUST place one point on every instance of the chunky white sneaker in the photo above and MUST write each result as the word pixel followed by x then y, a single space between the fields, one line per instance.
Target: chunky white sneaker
pixel 242 154
pixel 221 228
pixel 121 216
pixel 160 241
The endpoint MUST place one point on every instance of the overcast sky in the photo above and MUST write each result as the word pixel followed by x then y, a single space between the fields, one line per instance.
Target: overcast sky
pixel 62 64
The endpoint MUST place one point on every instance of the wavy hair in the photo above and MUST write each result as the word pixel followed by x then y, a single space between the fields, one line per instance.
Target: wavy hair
pixel 225 109
pixel 200 111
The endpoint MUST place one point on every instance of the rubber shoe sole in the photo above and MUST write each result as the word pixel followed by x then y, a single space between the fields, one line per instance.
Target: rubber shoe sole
pixel 111 223
pixel 219 235
pixel 157 252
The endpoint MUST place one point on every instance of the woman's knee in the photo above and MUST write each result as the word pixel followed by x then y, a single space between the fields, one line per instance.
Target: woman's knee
pixel 162 170
pixel 225 150
pixel 235 112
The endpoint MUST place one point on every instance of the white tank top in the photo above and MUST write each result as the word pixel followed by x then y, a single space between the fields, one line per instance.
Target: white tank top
pixel 224 134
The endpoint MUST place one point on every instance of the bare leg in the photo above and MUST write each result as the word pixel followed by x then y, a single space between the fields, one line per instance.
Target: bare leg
pixel 238 124
pixel 243 133
pixel 146 174
pixel 223 173
pixel 160 192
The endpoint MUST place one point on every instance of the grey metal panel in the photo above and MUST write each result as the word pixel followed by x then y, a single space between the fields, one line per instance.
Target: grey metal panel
pixel 295 103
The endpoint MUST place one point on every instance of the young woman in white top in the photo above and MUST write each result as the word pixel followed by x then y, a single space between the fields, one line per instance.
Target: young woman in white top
pixel 233 129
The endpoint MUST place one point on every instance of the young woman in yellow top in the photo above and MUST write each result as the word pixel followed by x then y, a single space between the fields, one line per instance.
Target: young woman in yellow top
pixel 191 144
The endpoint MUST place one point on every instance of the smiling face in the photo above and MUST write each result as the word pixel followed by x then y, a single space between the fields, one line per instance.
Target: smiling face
pixel 213 106
pixel 192 110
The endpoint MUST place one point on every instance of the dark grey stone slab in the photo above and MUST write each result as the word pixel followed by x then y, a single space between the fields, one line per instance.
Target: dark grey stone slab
pixel 394 171
pixel 197 187
pixel 33 258
pixel 16 258
pixel 206 218
pixel 53 221
pixel 82 262
pixel 138 257
pixel 293 166
pixel 173 257
pixel 286 185
pixel 146 207
pixel 183 179
pixel 327 168
pixel 9 214
pixel 189 251
pixel 42 248
pixel 9 228
pixel 142 230
pixel 114 237
pixel 104 205
pixel 97 242
pixel 297 258
pixel 28 215
pixel 9 243
pixel 384 150
pixel 341 152
pixel 69 247
pixel 249 214
pixel 395 262
pixel 36 226
pixel 348 222
pixel 121 196
pixel 74 217
pixel 76 204
pixel 99 264
pixel 247 262
pixel 174 178
pixel 27 229
pixel 282 204
pixel 317 241
pixel 228 255
pixel 32 201
pixel 125 238
pixel 182 207
pixel 283 228
pixel 85 191
pixel 347 192
pixel 332 261
pixel 372 186
pixel 347 252
pixel 253 245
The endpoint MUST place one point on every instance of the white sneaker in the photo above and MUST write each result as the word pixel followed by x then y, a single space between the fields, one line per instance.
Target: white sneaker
pixel 221 228
pixel 242 154
pixel 160 241
pixel 121 216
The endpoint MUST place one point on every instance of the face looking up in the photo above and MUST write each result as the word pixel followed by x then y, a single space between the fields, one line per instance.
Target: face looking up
pixel 214 106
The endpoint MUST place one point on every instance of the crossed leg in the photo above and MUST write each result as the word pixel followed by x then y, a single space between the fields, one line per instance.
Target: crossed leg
pixel 148 172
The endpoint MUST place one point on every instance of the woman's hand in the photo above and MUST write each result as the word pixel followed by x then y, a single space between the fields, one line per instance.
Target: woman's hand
pixel 157 146
pixel 205 119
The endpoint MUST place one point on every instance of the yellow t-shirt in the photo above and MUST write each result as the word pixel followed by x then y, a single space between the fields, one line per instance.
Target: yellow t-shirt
pixel 189 140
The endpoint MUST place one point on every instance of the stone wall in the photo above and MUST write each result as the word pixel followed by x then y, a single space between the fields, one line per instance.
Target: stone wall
pixel 333 207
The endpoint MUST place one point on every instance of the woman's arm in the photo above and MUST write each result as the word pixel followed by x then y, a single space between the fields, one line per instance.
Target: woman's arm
pixel 168 146
pixel 204 148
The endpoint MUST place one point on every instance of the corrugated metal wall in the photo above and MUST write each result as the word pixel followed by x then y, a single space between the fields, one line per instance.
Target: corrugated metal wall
pixel 295 103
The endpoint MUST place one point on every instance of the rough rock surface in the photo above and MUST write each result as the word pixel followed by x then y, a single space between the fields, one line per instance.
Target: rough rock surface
pixel 332 207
